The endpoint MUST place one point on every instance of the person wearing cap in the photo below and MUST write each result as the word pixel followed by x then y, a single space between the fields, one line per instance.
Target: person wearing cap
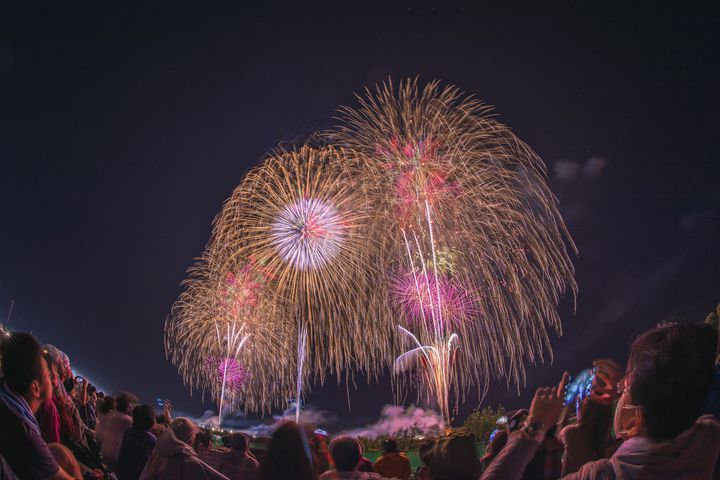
pixel 392 463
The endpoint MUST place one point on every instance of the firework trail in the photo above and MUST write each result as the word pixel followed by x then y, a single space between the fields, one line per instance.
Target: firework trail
pixel 230 370
pixel 471 238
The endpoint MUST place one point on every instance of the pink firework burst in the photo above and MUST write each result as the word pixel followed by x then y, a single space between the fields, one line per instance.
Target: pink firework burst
pixel 421 175
pixel 423 296
pixel 232 370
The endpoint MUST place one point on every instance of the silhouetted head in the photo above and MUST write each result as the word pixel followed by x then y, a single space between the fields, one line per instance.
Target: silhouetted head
pixel 345 452
pixel 288 455
pixel 143 417
pixel 670 370
pixel 390 445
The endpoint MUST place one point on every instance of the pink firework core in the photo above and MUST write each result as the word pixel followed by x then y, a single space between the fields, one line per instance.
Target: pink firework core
pixel 240 292
pixel 308 233
pixel 232 370
pixel 423 297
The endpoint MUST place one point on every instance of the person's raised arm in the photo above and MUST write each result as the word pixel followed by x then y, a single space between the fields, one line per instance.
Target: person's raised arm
pixel 521 447
pixel 63 475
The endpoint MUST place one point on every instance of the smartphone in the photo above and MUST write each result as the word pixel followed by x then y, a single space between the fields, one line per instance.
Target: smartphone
pixel 579 387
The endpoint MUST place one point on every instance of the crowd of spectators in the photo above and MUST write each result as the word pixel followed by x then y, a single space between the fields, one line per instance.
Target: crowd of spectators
pixel 655 419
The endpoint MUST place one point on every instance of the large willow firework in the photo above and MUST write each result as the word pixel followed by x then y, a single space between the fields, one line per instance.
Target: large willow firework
pixel 301 219
pixel 472 243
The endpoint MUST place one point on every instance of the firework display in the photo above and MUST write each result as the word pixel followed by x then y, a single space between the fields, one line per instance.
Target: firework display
pixel 225 322
pixel 471 232
pixel 420 235
pixel 303 218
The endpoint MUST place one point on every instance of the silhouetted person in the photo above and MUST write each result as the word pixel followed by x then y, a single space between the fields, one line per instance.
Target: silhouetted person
pixel 288 455
pixel 666 383
pixel 346 453
pixel 392 463
pixel 174 459
pixel 25 385
pixel 238 463
pixel 137 444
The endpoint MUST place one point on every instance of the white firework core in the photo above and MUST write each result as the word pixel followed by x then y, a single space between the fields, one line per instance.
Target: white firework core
pixel 308 233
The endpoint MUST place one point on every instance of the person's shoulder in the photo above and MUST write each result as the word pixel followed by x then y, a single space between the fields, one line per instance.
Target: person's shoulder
pixel 329 475
pixel 11 424
pixel 372 476
pixel 597 470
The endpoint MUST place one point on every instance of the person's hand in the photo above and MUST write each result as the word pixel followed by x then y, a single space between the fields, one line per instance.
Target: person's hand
pixel 607 374
pixel 548 404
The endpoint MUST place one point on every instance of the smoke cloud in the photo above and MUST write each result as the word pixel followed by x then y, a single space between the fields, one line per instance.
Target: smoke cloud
pixel 394 419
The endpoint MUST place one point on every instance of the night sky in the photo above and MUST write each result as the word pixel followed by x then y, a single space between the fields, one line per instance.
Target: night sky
pixel 123 130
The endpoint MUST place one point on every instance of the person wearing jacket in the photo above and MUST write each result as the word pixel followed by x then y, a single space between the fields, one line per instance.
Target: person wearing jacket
pixel 174 459
pixel 238 463
pixel 392 463
pixel 666 382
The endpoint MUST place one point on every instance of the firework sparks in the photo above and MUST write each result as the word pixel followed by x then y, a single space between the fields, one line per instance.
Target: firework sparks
pixel 420 295
pixel 459 199
pixel 202 332
pixel 308 233
pixel 302 218
pixel 432 215
pixel 235 374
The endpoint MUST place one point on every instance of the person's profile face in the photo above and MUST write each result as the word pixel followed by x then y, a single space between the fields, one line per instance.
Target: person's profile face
pixel 45 384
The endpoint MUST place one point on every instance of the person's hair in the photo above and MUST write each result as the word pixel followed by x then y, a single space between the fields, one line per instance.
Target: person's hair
pixel 162 420
pixel 107 404
pixel 345 452
pixel 91 389
pixel 184 429
pixel 123 400
pixel 143 417
pixel 496 444
pixel 21 359
pixel 58 358
pixel 669 373
pixel 454 457
pixel 390 445
pixel 203 438
pixel 596 420
pixel 238 441
pixel 101 394
pixel 287 455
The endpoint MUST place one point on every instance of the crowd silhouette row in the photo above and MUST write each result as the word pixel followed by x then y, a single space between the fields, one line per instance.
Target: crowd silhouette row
pixel 657 418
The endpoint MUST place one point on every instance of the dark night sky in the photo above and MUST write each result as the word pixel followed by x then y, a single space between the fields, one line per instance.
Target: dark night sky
pixel 122 131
